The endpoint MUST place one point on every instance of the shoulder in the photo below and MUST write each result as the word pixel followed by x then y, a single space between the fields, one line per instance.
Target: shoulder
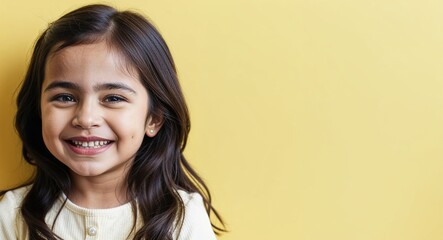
pixel 12 199
pixel 194 205
pixel 189 197
pixel 196 223
pixel 10 217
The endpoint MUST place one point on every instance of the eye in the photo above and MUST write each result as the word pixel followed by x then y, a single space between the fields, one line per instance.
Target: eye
pixel 114 99
pixel 64 98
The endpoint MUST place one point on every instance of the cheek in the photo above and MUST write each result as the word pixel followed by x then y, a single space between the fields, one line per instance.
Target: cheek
pixel 47 122
pixel 129 124
pixel 53 122
pixel 50 131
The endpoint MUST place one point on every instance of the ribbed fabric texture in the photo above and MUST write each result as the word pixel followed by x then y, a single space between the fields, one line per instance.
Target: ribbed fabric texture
pixel 75 222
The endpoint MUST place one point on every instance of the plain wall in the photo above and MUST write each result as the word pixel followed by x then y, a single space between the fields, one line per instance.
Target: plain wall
pixel 311 119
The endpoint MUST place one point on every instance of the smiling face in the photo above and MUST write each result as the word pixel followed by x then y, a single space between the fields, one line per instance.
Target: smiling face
pixel 94 111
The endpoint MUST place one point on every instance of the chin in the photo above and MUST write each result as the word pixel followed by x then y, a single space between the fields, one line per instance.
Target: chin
pixel 87 172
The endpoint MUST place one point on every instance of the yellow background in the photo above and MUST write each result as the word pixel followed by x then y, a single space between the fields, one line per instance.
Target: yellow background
pixel 311 119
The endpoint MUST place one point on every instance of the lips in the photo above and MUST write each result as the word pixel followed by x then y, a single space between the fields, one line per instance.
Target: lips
pixel 88 145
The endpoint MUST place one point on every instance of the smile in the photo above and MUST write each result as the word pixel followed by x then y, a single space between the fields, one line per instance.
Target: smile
pixel 89 144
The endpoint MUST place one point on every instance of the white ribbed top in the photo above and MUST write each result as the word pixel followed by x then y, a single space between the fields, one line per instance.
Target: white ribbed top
pixel 75 222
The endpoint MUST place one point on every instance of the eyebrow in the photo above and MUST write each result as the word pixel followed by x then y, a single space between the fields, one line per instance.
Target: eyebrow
pixel 62 84
pixel 99 87
pixel 110 86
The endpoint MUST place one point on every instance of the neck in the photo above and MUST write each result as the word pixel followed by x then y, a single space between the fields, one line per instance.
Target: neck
pixel 93 193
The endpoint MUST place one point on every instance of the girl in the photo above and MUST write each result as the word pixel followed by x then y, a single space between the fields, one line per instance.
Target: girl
pixel 103 119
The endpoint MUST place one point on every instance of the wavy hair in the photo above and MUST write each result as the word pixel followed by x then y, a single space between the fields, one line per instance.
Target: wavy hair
pixel 159 167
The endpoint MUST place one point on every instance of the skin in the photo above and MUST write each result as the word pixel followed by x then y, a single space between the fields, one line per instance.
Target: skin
pixel 90 95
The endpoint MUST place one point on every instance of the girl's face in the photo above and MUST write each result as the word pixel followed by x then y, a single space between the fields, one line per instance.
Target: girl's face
pixel 94 110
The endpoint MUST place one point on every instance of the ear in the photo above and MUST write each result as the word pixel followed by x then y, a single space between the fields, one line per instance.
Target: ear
pixel 153 125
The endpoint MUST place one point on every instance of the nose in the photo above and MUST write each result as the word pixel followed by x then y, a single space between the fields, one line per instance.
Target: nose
pixel 87 115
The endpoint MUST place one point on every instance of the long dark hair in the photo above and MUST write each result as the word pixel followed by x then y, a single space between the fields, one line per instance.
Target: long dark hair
pixel 159 168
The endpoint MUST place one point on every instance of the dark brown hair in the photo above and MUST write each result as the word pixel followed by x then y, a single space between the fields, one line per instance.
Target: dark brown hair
pixel 159 168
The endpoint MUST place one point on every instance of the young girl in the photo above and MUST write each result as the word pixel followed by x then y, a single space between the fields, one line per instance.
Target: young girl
pixel 103 119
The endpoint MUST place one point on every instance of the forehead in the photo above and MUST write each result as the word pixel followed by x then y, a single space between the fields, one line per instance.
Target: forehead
pixel 97 61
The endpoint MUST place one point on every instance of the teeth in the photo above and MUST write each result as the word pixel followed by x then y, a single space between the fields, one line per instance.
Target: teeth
pixel 90 144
